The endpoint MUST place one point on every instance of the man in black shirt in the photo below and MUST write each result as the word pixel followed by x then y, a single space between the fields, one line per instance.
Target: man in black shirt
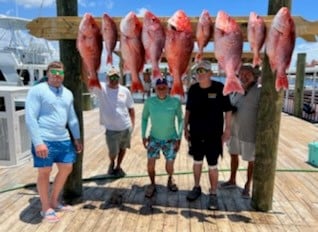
pixel 206 111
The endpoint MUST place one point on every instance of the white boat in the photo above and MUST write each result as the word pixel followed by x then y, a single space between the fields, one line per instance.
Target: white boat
pixel 23 58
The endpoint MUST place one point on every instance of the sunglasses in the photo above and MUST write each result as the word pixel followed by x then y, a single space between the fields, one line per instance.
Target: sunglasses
pixel 113 77
pixel 57 72
pixel 201 71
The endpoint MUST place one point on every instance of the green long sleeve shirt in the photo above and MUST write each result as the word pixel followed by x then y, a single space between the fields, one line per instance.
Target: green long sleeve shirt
pixel 163 115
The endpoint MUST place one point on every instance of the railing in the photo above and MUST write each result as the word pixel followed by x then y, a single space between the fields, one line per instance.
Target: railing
pixel 310 106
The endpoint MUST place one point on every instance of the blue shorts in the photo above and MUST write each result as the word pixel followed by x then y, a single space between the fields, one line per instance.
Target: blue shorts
pixel 59 152
pixel 166 146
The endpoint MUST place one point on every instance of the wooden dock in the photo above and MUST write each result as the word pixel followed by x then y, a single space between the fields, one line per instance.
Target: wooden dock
pixel 119 204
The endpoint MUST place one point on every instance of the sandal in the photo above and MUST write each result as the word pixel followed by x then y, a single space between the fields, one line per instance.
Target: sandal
pixel 245 194
pixel 50 216
pixel 171 185
pixel 150 191
pixel 63 208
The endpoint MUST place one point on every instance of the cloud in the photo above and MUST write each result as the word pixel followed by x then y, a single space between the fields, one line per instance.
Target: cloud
pixel 93 4
pixel 141 12
pixel 310 48
pixel 35 3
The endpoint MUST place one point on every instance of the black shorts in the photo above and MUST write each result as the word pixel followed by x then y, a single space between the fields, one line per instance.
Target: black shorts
pixel 200 147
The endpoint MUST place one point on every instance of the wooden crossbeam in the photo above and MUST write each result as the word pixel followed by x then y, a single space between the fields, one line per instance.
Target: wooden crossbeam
pixel 66 27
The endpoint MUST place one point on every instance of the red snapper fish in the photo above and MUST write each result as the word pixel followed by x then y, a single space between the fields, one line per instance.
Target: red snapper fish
pixel 228 44
pixel 178 48
pixel 280 44
pixel 256 34
pixel 203 33
pixel 110 34
pixel 153 39
pixel 89 43
pixel 132 50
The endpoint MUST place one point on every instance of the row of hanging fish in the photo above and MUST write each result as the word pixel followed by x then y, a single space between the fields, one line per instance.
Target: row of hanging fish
pixel 144 42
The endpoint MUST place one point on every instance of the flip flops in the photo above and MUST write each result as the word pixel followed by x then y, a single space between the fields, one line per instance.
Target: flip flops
pixel 50 216
pixel 63 208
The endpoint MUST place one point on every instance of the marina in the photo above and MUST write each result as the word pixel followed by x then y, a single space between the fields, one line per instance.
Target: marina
pixel 119 204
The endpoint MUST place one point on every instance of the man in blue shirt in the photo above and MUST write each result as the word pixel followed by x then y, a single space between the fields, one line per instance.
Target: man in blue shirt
pixel 49 109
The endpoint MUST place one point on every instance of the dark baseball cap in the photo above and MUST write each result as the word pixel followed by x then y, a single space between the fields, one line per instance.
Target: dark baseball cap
pixel 161 81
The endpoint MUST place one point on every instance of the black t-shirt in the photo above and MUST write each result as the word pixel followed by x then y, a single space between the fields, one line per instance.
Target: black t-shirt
pixel 207 107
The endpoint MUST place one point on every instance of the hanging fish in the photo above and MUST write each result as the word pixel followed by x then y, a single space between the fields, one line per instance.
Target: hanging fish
pixel 228 44
pixel 280 45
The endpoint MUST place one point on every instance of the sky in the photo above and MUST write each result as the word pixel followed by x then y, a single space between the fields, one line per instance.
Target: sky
pixel 32 9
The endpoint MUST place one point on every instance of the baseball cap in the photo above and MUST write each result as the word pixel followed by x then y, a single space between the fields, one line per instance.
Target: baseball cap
pixel 205 64
pixel 161 81
pixel 113 71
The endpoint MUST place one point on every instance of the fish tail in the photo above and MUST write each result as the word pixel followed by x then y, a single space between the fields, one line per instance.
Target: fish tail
pixel 136 86
pixel 177 89
pixel 198 56
pixel 257 61
pixel 93 82
pixel 281 82
pixel 232 84
pixel 109 59
pixel 156 73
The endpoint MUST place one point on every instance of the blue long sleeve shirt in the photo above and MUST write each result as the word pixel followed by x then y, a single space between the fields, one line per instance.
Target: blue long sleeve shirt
pixel 48 110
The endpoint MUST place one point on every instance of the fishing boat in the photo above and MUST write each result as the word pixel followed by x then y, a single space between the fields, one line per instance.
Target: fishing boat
pixel 23 58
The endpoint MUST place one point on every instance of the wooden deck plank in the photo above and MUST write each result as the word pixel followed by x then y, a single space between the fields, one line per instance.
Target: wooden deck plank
pixel 295 200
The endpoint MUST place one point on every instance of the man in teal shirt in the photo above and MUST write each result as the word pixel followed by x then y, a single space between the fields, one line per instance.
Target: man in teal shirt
pixel 163 111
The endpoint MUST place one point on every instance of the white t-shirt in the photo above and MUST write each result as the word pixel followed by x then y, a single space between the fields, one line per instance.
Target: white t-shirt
pixel 113 107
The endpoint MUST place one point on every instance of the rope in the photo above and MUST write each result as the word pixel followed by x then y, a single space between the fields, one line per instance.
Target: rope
pixel 107 177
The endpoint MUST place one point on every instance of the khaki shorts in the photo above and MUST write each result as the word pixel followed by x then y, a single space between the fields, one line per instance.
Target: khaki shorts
pixel 117 140
pixel 245 149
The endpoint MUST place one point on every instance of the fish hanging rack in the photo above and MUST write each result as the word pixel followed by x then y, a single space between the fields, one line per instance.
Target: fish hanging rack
pixel 66 27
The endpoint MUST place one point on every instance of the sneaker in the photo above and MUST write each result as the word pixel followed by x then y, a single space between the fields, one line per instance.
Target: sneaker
pixel 119 172
pixel 172 185
pixel 213 202
pixel 194 193
pixel 111 170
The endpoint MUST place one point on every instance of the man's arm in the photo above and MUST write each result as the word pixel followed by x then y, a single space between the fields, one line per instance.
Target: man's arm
pixel 132 116
pixel 186 125
pixel 227 129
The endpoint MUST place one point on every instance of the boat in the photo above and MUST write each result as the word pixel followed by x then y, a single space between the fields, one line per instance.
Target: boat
pixel 23 58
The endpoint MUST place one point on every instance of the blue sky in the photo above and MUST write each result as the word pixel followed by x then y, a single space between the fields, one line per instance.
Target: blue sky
pixel 47 8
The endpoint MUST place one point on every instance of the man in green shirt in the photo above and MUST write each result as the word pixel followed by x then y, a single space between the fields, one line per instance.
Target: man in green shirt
pixel 163 110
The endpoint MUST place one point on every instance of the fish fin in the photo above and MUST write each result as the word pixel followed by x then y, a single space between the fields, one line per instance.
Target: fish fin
pixel 109 59
pixel 281 82
pixel 232 84
pixel 136 86
pixel 177 89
